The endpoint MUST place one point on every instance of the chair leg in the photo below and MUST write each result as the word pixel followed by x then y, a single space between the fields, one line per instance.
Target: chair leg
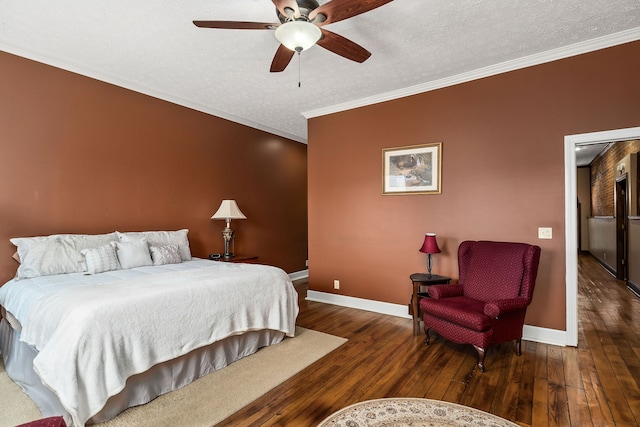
pixel 519 347
pixel 426 332
pixel 480 351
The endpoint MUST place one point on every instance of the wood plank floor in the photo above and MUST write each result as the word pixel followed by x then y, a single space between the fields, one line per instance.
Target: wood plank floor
pixel 596 384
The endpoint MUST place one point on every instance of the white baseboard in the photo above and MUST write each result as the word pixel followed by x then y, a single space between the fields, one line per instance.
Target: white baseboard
pixel 544 335
pixel 297 275
pixel 529 333
pixel 359 303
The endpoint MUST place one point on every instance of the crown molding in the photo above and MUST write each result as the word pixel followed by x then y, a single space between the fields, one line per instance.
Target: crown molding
pixel 503 67
pixel 136 87
pixel 528 61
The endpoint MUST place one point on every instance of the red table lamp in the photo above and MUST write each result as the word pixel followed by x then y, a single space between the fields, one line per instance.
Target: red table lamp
pixel 430 246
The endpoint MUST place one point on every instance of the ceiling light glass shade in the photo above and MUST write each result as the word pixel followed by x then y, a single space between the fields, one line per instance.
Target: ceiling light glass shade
pixel 298 35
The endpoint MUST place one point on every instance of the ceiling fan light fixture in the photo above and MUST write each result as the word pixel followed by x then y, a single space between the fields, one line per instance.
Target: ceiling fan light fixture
pixel 298 35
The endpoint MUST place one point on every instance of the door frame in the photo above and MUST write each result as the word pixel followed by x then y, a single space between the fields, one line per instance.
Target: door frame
pixel 571 221
pixel 621 207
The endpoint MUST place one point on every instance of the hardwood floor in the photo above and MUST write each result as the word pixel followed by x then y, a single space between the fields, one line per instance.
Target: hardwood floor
pixel 596 384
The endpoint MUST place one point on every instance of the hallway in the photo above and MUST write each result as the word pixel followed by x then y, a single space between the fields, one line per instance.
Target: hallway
pixel 608 347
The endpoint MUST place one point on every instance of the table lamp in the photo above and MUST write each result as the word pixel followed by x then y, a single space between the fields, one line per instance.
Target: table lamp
pixel 227 211
pixel 429 247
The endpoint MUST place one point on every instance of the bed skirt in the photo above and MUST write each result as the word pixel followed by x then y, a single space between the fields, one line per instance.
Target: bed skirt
pixel 141 388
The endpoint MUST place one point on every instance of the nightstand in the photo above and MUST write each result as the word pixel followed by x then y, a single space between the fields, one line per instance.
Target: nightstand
pixel 249 259
pixel 418 280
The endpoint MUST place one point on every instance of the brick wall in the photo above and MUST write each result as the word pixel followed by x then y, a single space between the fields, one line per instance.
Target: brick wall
pixel 603 176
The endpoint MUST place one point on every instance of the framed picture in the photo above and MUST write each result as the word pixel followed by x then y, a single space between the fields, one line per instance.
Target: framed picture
pixel 412 170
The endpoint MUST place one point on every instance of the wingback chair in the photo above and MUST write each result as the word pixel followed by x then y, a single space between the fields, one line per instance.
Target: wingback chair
pixel 488 304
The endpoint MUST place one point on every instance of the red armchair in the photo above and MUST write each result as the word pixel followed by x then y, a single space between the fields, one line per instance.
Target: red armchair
pixel 46 422
pixel 488 305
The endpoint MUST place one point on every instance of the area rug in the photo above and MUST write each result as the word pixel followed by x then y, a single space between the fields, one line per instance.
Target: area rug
pixel 209 399
pixel 405 412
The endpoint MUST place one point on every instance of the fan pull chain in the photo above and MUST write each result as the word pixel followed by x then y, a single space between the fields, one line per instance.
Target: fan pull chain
pixel 299 50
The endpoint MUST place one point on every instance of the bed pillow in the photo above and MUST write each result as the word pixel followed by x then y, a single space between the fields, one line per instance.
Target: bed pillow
pixel 46 255
pixel 99 260
pixel 91 241
pixel 133 254
pixel 162 238
pixel 167 254
pixel 56 254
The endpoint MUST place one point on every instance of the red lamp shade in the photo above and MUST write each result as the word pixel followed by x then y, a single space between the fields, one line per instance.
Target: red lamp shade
pixel 430 245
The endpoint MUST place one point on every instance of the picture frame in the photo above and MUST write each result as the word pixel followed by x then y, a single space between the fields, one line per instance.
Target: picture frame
pixel 415 169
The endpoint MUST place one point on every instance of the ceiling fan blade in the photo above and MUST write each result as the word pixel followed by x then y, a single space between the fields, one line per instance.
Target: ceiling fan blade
pixel 236 25
pixel 282 5
pixel 281 59
pixel 338 10
pixel 343 46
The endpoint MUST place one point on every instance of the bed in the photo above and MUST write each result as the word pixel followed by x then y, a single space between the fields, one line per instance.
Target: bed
pixel 91 325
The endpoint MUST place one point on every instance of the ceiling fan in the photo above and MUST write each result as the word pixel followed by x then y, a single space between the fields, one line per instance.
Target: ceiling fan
pixel 301 26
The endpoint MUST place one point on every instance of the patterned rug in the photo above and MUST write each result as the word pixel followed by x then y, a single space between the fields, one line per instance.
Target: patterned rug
pixel 411 412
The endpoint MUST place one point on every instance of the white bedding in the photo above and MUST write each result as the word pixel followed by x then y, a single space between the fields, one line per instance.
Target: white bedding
pixel 93 332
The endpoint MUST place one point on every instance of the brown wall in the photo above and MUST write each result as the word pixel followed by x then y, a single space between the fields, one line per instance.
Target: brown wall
pixel 503 174
pixel 82 156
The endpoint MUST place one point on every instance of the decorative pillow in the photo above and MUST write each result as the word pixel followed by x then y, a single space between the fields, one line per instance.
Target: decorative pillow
pixel 133 254
pixel 46 255
pixel 101 259
pixel 162 238
pixel 165 254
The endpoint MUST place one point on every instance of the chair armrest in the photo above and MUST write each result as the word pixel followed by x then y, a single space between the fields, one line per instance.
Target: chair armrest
pixel 445 291
pixel 501 306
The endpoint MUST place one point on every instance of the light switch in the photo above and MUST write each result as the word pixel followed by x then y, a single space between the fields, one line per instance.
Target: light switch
pixel 545 233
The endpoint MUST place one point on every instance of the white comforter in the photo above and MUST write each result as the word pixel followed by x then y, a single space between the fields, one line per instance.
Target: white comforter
pixel 92 338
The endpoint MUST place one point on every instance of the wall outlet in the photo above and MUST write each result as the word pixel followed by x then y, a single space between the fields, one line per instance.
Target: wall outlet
pixel 306 263
pixel 336 284
pixel 545 233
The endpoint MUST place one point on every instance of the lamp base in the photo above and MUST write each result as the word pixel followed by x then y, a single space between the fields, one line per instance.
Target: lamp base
pixel 227 236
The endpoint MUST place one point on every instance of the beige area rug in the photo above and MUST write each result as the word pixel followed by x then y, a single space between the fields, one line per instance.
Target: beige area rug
pixel 207 400
pixel 405 412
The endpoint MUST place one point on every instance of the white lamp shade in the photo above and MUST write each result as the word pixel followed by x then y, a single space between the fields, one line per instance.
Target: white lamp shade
pixel 228 210
pixel 298 35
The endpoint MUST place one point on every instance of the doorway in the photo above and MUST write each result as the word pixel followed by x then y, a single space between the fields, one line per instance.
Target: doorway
pixel 622 213
pixel 571 221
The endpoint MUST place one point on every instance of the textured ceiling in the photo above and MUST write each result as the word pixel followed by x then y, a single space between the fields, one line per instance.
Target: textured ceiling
pixel 153 47
pixel 586 153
